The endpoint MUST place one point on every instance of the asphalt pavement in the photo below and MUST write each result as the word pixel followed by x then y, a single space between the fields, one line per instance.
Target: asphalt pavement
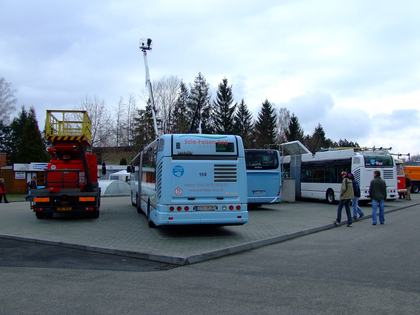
pixel 120 230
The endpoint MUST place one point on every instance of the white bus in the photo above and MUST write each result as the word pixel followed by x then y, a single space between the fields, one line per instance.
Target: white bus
pixel 263 169
pixel 182 179
pixel 320 173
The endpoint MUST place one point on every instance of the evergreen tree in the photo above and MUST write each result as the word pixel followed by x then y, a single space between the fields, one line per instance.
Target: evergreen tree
pixel 144 130
pixel 198 106
pixel 180 121
pixel 265 127
pixel 346 144
pixel 224 110
pixel 294 131
pixel 12 134
pixel 318 140
pixel 243 124
pixel 31 147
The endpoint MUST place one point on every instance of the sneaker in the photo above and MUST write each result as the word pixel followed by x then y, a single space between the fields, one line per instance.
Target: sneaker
pixel 373 223
pixel 354 218
pixel 349 225
pixel 335 222
pixel 361 216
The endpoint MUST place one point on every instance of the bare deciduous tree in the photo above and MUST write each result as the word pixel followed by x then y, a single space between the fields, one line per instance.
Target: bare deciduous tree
pixel 102 124
pixel 165 93
pixel 7 100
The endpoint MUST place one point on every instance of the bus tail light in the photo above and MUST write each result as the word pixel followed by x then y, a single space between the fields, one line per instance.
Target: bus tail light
pixel 238 207
pixel 186 208
pixel 179 208
pixel 230 207
pixel 171 208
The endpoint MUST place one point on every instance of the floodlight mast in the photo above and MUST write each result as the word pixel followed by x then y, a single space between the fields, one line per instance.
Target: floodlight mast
pixel 145 45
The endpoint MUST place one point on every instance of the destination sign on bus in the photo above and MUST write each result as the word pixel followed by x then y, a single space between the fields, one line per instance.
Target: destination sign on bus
pixel 196 144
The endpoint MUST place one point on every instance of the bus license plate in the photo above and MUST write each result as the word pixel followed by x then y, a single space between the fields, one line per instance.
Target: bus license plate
pixel 205 208
pixel 63 208
pixel 259 192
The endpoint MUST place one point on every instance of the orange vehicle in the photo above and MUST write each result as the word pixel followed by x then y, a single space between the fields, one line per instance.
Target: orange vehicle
pixel 413 171
pixel 71 177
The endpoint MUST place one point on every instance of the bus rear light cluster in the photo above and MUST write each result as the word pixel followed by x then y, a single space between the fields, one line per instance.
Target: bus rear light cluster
pixel 179 208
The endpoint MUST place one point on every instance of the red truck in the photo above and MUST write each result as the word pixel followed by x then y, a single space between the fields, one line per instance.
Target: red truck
pixel 71 177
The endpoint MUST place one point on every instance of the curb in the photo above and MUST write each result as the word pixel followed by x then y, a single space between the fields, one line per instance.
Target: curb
pixel 181 261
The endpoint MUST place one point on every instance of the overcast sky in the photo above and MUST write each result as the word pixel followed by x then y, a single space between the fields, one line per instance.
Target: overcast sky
pixel 352 66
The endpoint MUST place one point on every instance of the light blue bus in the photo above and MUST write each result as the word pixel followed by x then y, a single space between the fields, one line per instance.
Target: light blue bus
pixel 184 179
pixel 263 170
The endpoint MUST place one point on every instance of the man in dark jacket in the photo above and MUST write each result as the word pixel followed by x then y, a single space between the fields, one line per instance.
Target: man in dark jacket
pixel 356 190
pixel 377 192
pixel 408 185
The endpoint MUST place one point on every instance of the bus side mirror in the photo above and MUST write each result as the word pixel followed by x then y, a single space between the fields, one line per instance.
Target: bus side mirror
pixel 103 168
pixel 128 169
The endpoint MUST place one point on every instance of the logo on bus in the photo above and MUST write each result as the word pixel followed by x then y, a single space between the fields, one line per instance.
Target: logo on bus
pixel 178 171
pixel 178 191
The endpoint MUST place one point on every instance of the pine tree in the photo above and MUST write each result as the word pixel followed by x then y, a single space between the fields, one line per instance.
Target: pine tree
pixel 265 127
pixel 198 106
pixel 12 135
pixel 294 131
pixel 224 110
pixel 31 147
pixel 144 130
pixel 181 124
pixel 243 124
pixel 317 140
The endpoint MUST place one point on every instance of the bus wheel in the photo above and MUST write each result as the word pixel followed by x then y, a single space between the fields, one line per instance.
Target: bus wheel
pixel 132 203
pixel 330 196
pixel 415 189
pixel 149 221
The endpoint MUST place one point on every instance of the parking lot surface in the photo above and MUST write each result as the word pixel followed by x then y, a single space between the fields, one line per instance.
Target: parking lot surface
pixel 120 230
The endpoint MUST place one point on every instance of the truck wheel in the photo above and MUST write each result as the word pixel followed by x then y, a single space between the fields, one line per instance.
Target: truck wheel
pixel 39 215
pixel 95 215
pixel 415 189
pixel 48 215
pixel 330 196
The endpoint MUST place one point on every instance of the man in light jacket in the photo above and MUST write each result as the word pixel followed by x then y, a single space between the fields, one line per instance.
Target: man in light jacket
pixel 346 194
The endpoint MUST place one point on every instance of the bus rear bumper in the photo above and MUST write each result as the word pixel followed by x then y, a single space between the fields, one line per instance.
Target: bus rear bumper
pixel 200 217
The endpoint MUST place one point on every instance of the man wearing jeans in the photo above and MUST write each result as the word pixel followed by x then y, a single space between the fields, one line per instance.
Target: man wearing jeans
pixel 346 194
pixel 377 192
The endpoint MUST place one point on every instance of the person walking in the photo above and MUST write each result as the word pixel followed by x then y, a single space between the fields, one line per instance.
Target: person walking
pixel 408 185
pixel 346 194
pixel 377 192
pixel 3 191
pixel 356 190
pixel 32 185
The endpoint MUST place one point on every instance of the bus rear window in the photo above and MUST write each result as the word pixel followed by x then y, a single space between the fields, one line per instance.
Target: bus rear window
pixel 225 147
pixel 378 161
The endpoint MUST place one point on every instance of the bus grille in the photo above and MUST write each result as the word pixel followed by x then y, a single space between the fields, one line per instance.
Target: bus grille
pixel 388 174
pixel 159 181
pixel 225 173
pixel 356 174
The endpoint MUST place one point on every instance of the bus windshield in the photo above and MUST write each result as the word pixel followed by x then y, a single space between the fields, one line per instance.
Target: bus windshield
pixel 261 159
